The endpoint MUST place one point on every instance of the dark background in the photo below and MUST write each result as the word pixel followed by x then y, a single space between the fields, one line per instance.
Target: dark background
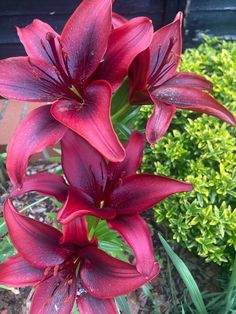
pixel 213 17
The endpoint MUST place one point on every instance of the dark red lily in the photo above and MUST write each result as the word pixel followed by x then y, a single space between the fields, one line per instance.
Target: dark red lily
pixel 110 191
pixel 65 267
pixel 114 192
pixel 77 71
pixel 153 79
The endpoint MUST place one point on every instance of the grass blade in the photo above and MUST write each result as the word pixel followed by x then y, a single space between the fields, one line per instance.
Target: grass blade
pixel 186 277
pixel 122 305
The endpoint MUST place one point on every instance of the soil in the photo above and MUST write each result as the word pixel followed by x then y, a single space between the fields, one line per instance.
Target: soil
pixel 17 301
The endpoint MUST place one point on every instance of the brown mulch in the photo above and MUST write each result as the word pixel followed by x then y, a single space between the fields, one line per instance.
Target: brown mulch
pixel 18 300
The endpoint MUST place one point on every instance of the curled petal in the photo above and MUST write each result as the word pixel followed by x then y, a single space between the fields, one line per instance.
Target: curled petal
pixel 37 131
pixel 138 76
pixel 79 204
pixel 159 121
pixel 106 277
pixel 118 20
pixel 90 305
pixel 55 294
pixel 83 166
pixel 125 43
pixel 33 37
pixel 76 231
pixel 133 159
pixel 91 120
pixel 165 51
pixel 28 80
pixel 36 242
pixel 137 193
pixel 190 79
pixel 16 272
pixel 193 99
pixel 44 183
pixel 85 36
pixel 136 233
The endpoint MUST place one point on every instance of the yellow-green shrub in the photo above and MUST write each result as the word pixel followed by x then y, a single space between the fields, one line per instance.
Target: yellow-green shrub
pixel 201 149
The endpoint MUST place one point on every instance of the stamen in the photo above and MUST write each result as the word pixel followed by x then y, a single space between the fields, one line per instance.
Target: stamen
pixel 68 298
pixel 47 270
pixel 101 204
pixel 75 91
pixel 65 58
pixel 70 281
pixel 55 270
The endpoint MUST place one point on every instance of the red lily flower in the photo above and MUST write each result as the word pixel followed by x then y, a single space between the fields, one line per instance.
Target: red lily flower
pixel 114 192
pixel 110 191
pixel 65 267
pixel 70 70
pixel 153 79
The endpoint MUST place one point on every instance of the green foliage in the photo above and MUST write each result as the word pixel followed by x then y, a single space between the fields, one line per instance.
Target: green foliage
pixel 201 149
pixel 222 302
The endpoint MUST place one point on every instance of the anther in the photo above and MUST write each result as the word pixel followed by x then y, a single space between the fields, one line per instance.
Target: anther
pixel 55 270
pixel 47 270
pixel 70 281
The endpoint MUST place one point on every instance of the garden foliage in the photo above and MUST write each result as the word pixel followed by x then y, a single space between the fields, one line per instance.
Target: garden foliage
pixel 77 74
pixel 202 151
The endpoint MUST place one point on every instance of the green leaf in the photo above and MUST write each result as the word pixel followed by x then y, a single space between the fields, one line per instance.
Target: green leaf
pixel 3 228
pixel 186 277
pixel 6 249
pixel 148 293
pixel 122 305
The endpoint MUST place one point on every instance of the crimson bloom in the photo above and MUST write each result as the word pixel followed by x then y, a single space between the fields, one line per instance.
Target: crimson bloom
pixel 110 191
pixel 77 71
pixel 114 192
pixel 65 267
pixel 153 79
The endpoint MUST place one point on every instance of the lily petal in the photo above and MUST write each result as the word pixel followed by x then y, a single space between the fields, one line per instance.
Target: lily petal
pixel 76 231
pixel 32 36
pixel 83 166
pixel 193 99
pixel 79 204
pixel 104 276
pixel 90 305
pixel 55 294
pixel 138 77
pixel 36 242
pixel 44 183
pixel 118 20
pixel 139 192
pixel 136 233
pixel 159 121
pixel 28 80
pixel 125 43
pixel 85 36
pixel 16 272
pixel 190 79
pixel 133 159
pixel 165 51
pixel 91 120
pixel 37 131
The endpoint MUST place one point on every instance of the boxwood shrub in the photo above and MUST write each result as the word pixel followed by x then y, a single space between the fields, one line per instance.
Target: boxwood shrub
pixel 201 149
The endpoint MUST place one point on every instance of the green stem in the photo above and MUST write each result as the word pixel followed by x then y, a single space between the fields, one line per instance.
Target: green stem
pixel 120 113
pixel 93 228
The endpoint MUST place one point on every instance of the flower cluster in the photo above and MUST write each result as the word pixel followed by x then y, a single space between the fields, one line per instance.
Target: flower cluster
pixel 78 72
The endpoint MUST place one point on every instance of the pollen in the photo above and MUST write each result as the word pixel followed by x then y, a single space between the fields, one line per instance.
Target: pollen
pixel 47 270
pixel 55 270
pixel 68 299
pixel 69 282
